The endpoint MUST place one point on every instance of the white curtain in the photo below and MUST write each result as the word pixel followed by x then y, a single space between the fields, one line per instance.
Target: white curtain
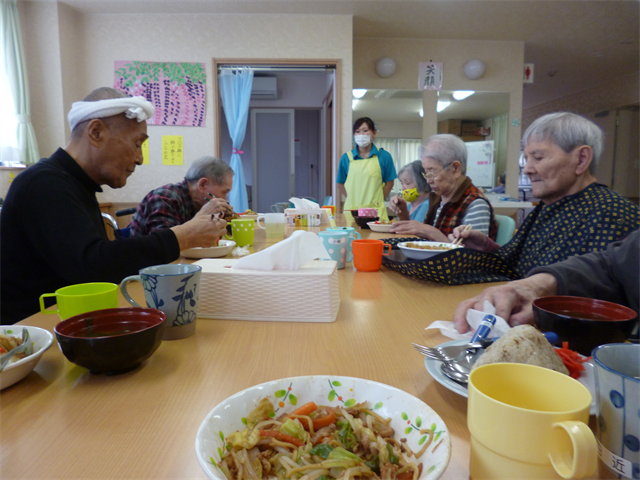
pixel 403 151
pixel 235 90
pixel 16 111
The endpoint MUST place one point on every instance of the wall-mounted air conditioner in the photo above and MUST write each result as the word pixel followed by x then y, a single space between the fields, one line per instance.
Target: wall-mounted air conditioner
pixel 264 88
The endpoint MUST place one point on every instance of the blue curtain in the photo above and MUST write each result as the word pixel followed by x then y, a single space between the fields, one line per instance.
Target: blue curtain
pixel 235 90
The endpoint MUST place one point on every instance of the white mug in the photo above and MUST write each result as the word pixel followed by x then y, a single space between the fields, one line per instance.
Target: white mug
pixel 174 289
pixel 273 224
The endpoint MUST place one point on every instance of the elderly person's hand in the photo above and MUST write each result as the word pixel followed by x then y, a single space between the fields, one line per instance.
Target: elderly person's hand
pixel 414 227
pixel 201 231
pixel 215 205
pixel 512 301
pixel 398 206
pixel 470 238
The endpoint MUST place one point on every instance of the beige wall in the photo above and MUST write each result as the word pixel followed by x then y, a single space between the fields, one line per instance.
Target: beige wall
pixel 504 64
pixel 88 45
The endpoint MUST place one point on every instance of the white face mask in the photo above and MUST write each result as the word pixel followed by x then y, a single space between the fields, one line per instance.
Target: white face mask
pixel 362 140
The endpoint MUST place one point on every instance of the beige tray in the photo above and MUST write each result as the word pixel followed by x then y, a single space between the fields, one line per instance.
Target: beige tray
pixel 306 295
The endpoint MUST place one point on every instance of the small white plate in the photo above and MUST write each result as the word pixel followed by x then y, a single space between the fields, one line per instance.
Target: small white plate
pixel 224 247
pixel 380 227
pixel 421 254
pixel 407 412
pixel 248 217
pixel 433 367
pixel 16 371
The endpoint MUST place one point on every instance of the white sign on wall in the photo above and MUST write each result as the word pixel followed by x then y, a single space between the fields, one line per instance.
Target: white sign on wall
pixel 527 73
pixel 430 75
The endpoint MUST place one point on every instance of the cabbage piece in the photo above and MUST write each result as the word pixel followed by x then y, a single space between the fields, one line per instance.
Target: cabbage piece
pixel 295 429
pixel 340 454
pixel 264 411
pixel 247 438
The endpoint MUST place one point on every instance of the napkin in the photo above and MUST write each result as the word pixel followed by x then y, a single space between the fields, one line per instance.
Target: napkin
pixel 474 317
pixel 304 204
pixel 290 254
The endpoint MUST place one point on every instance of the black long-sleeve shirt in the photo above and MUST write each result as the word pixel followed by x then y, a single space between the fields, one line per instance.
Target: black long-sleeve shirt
pixel 612 274
pixel 52 235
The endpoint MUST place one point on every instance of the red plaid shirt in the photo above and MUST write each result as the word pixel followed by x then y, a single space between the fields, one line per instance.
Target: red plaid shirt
pixel 164 207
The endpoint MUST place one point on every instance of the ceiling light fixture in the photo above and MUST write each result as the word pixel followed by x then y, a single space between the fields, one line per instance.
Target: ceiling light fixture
pixel 359 92
pixel 421 113
pixel 442 105
pixel 462 94
pixel 473 69
pixel 386 67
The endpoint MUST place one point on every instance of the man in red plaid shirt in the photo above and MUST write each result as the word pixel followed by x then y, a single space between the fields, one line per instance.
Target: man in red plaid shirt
pixel 205 186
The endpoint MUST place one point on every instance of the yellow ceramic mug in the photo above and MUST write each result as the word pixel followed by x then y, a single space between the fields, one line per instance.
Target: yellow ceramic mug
pixel 529 422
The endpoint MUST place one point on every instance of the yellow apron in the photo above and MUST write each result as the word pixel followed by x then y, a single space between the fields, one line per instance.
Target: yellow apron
pixel 364 185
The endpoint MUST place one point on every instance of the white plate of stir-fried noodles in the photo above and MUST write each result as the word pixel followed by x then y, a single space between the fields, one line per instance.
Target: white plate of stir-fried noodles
pixel 323 428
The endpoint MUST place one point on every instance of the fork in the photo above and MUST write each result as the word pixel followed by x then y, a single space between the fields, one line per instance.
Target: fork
pixel 24 346
pixel 451 352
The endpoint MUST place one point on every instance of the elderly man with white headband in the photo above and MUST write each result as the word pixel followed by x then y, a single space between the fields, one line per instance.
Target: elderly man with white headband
pixel 51 229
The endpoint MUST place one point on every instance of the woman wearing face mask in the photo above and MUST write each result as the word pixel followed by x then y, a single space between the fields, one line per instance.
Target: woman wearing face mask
pixel 366 173
pixel 413 204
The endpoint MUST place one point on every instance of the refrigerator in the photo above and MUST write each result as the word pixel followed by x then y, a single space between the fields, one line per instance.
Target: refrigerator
pixel 481 166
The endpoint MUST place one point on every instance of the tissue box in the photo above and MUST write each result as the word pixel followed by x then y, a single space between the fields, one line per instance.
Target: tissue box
pixel 296 217
pixel 306 295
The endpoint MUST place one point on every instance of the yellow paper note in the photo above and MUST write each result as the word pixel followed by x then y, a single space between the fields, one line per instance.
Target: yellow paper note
pixel 145 152
pixel 172 153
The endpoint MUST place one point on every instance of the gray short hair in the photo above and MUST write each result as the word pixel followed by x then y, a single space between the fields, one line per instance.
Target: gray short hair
pixel 568 131
pixel 415 169
pixel 208 167
pixel 446 148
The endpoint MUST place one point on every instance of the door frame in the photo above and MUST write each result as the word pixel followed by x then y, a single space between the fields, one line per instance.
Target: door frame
pixel 336 64
pixel 254 151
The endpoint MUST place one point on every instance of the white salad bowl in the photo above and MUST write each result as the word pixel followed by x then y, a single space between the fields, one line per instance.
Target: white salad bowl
pixel 380 227
pixel 16 370
pixel 422 254
pixel 408 415
pixel 223 248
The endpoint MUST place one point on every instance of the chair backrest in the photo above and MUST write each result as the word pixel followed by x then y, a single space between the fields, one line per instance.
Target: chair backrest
pixel 506 227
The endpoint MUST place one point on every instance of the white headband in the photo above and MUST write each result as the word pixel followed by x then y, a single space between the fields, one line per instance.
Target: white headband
pixel 134 107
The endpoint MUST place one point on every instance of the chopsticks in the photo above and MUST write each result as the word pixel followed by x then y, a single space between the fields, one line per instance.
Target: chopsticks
pixel 459 239
pixel 211 195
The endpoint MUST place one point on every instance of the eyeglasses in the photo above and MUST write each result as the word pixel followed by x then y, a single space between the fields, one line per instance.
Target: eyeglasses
pixel 432 175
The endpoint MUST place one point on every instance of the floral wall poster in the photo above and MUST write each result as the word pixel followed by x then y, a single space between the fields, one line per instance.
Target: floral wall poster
pixel 176 90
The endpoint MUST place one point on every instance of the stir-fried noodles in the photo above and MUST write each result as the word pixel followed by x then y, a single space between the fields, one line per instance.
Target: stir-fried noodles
pixel 9 342
pixel 319 443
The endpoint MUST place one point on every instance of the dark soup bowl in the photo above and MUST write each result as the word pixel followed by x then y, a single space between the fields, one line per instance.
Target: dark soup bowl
pixel 111 341
pixel 362 221
pixel 583 322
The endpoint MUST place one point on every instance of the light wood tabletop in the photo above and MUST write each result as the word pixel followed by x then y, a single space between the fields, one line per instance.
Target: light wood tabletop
pixel 63 422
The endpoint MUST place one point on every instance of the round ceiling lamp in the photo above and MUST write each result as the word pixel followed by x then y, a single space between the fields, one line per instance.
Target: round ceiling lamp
pixel 359 92
pixel 473 69
pixel 386 67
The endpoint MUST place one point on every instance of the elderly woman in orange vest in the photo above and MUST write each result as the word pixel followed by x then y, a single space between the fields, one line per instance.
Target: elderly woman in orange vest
pixel 453 200
pixel 366 173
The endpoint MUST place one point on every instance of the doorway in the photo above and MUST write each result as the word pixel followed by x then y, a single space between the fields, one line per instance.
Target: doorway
pixel 315 103
pixel 272 157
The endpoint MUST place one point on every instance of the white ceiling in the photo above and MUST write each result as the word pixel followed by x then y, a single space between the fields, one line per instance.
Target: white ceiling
pixel 574 44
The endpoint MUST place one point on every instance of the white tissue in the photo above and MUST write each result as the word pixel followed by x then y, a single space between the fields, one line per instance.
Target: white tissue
pixel 290 254
pixel 304 204
pixel 474 317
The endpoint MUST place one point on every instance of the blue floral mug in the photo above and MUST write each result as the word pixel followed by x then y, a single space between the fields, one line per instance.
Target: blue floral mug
pixel 174 289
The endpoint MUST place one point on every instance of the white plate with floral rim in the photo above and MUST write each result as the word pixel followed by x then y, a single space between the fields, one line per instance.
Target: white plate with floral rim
pixel 433 367
pixel 16 370
pixel 408 413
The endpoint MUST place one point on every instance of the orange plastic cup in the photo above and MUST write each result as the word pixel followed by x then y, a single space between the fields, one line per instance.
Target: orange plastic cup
pixel 332 207
pixel 367 254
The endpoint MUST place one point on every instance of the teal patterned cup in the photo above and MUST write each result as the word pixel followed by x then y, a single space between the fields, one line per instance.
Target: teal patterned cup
pixel 173 289
pixel 353 235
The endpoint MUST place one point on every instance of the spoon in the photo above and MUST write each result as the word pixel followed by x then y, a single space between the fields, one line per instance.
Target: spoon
pixel 24 346
pixel 455 374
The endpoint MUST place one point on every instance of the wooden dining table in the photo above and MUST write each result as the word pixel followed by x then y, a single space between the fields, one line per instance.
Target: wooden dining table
pixel 62 422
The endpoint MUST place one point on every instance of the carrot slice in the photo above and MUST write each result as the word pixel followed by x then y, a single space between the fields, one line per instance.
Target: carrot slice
pixel 282 436
pixel 305 409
